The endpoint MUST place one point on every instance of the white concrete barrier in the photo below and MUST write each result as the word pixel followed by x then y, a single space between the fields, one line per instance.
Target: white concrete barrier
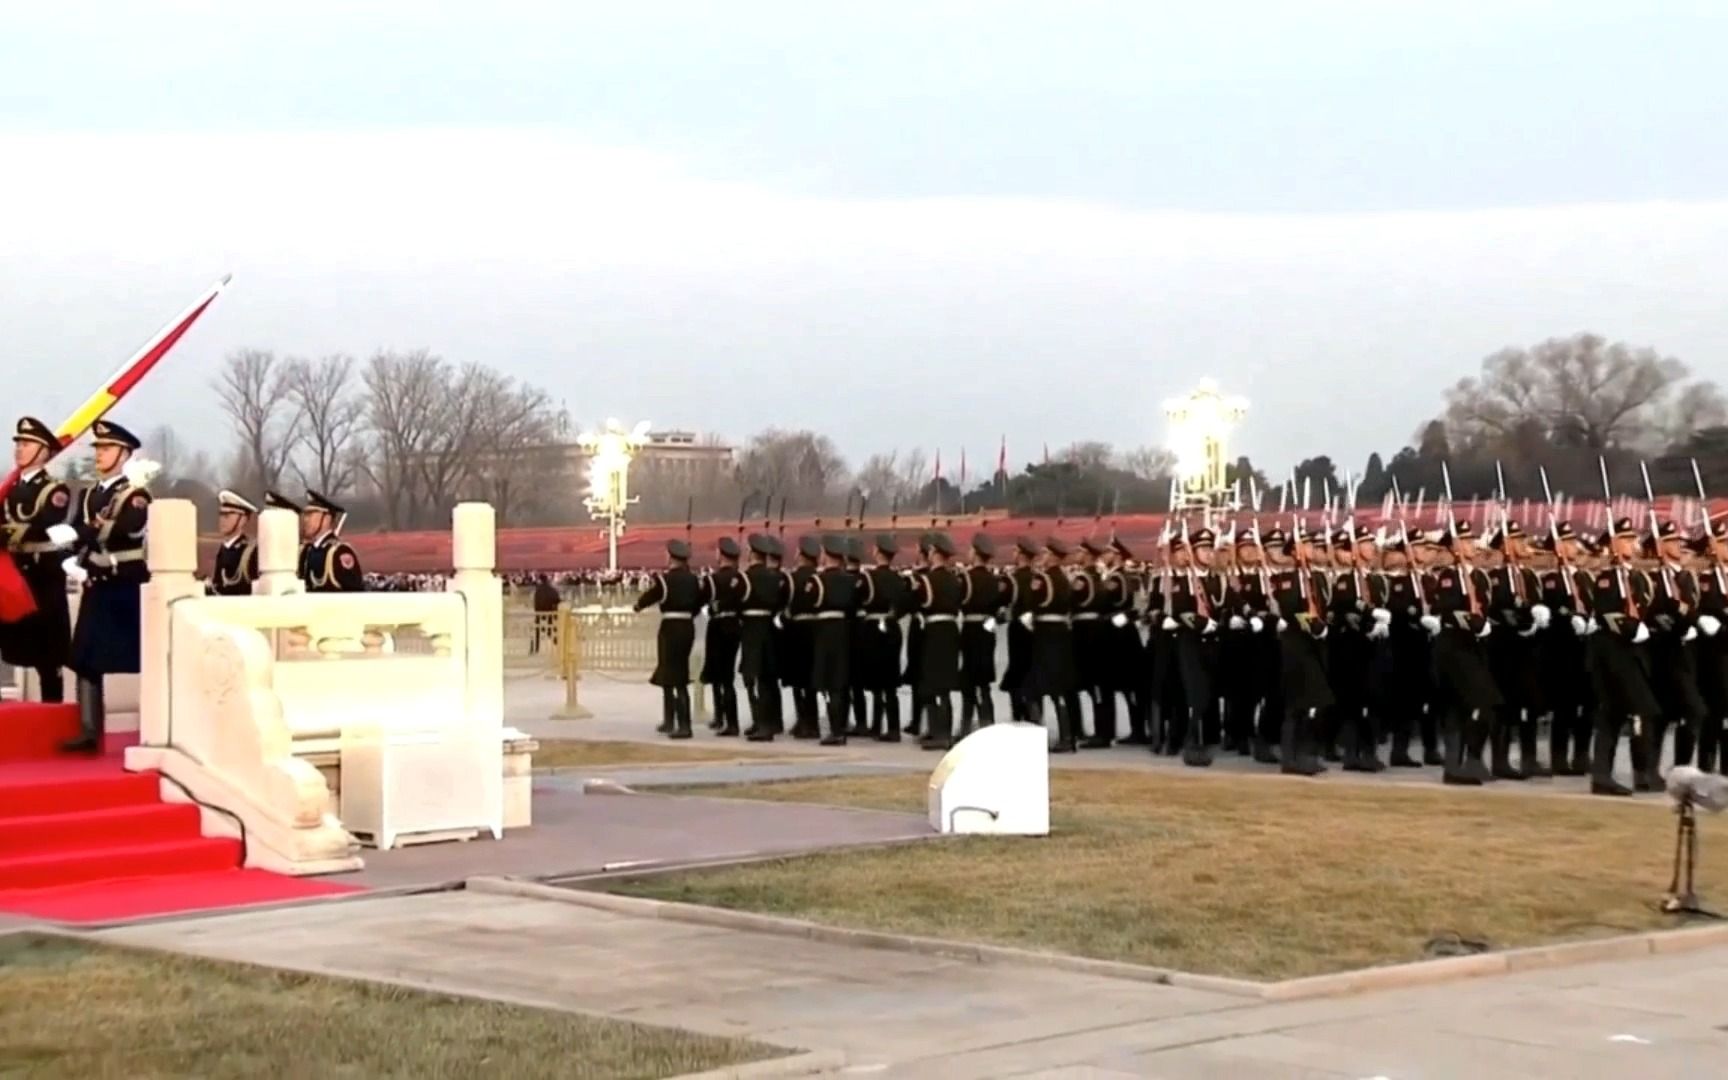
pixel 994 781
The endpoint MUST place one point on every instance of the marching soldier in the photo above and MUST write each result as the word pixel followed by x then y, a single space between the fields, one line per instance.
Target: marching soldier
pixel 237 558
pixel 1712 645
pixel 831 636
pixel 43 640
pixel 107 536
pixel 858 642
pixel 1467 695
pixel 1619 602
pixel 1242 646
pixel 1355 624
pixel 327 562
pixel 915 636
pixel 980 600
pixel 939 602
pixel 1565 690
pixel 726 590
pixel 886 599
pixel 1303 692
pixel 764 599
pixel 796 639
pixel 679 595
pixel 1122 636
pixel 1515 602
pixel 1673 614
pixel 1091 656
pixel 1045 607
pixel 1410 682
pixel 1184 631
pixel 1016 585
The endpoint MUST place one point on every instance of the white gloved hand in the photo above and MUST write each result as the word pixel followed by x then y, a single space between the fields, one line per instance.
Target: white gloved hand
pixel 74 572
pixel 1641 635
pixel 1118 620
pixel 1237 622
pixel 140 471
pixel 1710 624
pixel 1690 635
pixel 989 626
pixel 1168 623
pixel 62 536
pixel 779 621
pixel 1542 615
pixel 1026 619
pixel 1487 628
pixel 1382 616
pixel 1282 625
pixel 1211 627
pixel 1580 626
pixel 1256 623
pixel 1431 623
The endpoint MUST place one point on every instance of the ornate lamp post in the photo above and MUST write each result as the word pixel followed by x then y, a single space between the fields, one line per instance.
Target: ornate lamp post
pixel 1200 426
pixel 610 451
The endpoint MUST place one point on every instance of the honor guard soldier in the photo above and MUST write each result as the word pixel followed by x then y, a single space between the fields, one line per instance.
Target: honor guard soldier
pixel 1712 644
pixel 1516 604
pixel 981 599
pixel 1468 696
pixel 796 639
pixel 831 637
pixel 1017 588
pixel 107 535
pixel 939 599
pixel 328 562
pixel 41 641
pixel 678 593
pixel 758 655
pixel 1357 622
pixel 1090 628
pixel 858 706
pixel 1566 592
pixel 1620 600
pixel 1673 615
pixel 915 635
pixel 1248 648
pixel 237 559
pixel 1405 701
pixel 1304 692
pixel 886 599
pixel 726 590
pixel 1122 638
pixel 1045 608
pixel 1184 637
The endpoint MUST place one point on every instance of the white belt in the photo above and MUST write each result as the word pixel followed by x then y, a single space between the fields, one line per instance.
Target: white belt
pixel 974 618
pixel 677 615
pixel 880 616
pixel 938 618
pixel 756 614
pixel 107 559
pixel 1050 618
pixel 803 618
pixel 829 615
pixel 1086 616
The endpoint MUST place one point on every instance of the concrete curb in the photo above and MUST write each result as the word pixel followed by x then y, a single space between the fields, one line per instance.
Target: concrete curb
pixel 1393 977
pixel 700 763
pixel 816 1061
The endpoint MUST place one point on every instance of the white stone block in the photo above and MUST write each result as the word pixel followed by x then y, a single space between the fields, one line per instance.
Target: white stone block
pixel 995 781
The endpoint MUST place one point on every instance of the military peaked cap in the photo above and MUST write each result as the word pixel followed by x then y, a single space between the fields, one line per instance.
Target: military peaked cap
pixel 983 546
pixel 886 544
pixel 761 544
pixel 274 500
pixel 728 548
pixel 678 549
pixel 1202 538
pixel 33 430
pixel 315 501
pixel 834 545
pixel 108 433
pixel 1027 546
pixel 1058 547
pixel 1093 547
pixel 1120 548
pixel 229 500
pixel 809 546
pixel 855 548
pixel 943 543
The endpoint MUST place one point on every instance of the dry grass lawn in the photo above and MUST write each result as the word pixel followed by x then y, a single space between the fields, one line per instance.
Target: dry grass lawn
pixel 1258 879
pixel 75 1009
pixel 594 753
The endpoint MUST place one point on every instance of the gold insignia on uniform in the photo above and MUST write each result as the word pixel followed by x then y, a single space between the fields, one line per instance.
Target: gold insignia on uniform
pixel 140 500
pixel 59 498
pixel 346 559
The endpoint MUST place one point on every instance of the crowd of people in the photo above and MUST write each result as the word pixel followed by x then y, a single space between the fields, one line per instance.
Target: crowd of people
pixel 1370 647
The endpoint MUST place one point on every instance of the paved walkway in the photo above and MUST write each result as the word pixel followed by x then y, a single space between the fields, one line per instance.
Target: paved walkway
pixel 905 1015
pixel 629 710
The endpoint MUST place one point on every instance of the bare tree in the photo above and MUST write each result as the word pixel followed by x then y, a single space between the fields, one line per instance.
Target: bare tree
pixel 332 417
pixel 514 444
pixel 406 401
pixel 252 389
pixel 1580 392
pixel 1089 457
pixel 801 466
pixel 1149 463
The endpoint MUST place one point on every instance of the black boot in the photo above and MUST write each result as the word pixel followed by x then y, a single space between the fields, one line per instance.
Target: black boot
pixel 968 710
pixel 1500 735
pixel 53 683
pixel 731 725
pixel 1529 763
pixel 1065 743
pixel 1602 780
pixel 888 716
pixel 1430 725
pixel 1646 773
pixel 940 709
pixel 681 712
pixel 1103 721
pixel 838 701
pixel 668 711
pixel 986 707
pixel 1294 751
pixel 1196 754
pixel 92 716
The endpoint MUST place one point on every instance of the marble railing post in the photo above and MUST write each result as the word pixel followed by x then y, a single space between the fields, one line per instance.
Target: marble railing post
pixel 278 554
pixel 473 547
pixel 171 549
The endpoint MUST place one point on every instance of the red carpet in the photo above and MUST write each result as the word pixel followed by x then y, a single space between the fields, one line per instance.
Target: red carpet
pixel 82 840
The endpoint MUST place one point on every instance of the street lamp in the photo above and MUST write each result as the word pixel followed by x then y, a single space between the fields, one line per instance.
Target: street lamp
pixel 610 451
pixel 1200 425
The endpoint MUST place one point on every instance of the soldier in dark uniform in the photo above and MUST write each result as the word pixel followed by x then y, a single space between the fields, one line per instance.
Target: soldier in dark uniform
pixel 939 600
pixel 763 601
pixel 831 637
pixel 1711 648
pixel 1353 613
pixel 796 639
pixel 1091 661
pixel 327 562
pixel 1620 600
pixel 1521 618
pixel 1242 652
pixel 915 635
pixel 1045 607
pixel 885 599
pixel 1467 695
pixel 981 599
pixel 858 643
pixel 1565 689
pixel 107 536
pixel 1185 631
pixel 43 640
pixel 679 595
pixel 1673 616
pixel 1404 699
pixel 237 558
pixel 1126 654
pixel 725 591
pixel 1304 690
pixel 1015 586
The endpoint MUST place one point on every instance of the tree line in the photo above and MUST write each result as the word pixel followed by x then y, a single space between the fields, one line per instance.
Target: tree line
pixel 400 437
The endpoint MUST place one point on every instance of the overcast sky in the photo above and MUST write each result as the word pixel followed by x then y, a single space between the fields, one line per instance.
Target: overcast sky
pixel 905 224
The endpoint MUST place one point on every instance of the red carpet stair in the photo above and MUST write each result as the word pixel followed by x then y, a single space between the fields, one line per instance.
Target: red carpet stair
pixel 82 840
